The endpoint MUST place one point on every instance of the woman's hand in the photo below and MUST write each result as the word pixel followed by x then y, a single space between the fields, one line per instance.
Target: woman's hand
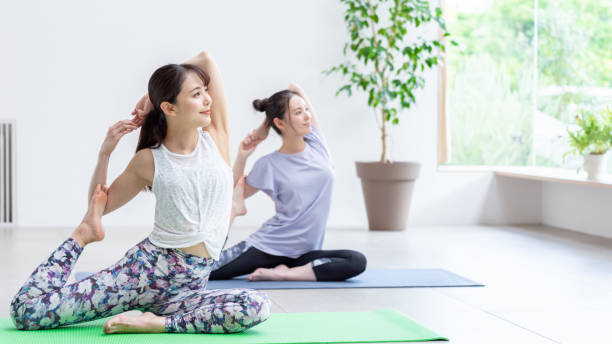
pixel 248 145
pixel 116 132
pixel 142 108
pixel 261 132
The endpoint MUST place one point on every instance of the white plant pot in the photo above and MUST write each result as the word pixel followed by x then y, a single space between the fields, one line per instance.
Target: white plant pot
pixel 595 165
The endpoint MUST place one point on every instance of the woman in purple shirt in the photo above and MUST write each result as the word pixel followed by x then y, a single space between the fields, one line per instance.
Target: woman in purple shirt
pixel 299 179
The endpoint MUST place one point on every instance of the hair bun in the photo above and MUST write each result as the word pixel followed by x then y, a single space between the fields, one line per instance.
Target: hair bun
pixel 260 104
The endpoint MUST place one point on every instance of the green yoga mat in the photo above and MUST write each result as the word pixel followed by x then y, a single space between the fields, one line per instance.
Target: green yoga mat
pixel 335 327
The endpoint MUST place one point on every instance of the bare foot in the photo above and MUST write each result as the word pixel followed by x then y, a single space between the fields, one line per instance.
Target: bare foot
pixel 144 323
pixel 281 267
pixel 238 206
pixel 283 273
pixel 275 274
pixel 90 229
pixel 262 274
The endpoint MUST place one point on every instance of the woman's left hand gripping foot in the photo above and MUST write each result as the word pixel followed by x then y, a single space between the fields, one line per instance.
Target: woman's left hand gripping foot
pixel 238 206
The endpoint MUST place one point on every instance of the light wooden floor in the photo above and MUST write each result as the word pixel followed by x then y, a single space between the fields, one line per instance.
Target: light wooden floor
pixel 543 285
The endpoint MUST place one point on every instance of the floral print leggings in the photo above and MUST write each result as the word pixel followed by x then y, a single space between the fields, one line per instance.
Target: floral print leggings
pixel 166 282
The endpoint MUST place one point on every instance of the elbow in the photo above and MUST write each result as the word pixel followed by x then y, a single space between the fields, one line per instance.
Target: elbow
pixel 205 56
pixel 19 309
pixel 296 88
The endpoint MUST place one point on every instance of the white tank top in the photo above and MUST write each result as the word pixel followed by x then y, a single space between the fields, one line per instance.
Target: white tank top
pixel 193 195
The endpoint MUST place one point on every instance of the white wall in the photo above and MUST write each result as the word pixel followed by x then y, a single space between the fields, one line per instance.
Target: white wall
pixel 70 69
pixel 580 208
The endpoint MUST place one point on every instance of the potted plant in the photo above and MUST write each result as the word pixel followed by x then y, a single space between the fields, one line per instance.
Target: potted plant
pixel 592 138
pixel 387 65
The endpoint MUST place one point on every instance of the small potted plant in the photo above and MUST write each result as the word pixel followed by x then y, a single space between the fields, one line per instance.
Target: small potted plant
pixel 592 138
pixel 387 65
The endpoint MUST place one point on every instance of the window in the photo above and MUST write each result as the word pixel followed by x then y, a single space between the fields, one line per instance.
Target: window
pixel 522 72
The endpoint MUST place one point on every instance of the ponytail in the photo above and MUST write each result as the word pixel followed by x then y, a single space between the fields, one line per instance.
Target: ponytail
pixel 153 131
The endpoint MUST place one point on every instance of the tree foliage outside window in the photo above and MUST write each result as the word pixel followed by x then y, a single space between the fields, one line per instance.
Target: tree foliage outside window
pixel 496 116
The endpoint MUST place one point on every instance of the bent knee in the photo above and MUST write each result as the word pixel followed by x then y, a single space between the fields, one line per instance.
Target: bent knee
pixel 18 317
pixel 265 306
pixel 259 302
pixel 358 264
pixel 362 262
pixel 18 321
pixel 257 305
pixel 255 309
pixel 28 314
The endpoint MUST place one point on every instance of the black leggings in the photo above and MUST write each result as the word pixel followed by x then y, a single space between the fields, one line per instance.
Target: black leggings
pixel 337 265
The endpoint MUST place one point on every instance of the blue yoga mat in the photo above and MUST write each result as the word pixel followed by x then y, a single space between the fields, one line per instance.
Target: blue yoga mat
pixel 383 278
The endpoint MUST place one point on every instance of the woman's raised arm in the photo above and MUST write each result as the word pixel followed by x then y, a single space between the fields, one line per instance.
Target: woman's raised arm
pixel 136 176
pixel 114 134
pixel 297 89
pixel 218 128
pixel 247 146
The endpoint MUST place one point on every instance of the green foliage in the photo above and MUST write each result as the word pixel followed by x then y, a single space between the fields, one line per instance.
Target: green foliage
pixel 575 40
pixel 492 127
pixel 490 85
pixel 574 44
pixel 594 133
pixel 389 64
pixel 494 122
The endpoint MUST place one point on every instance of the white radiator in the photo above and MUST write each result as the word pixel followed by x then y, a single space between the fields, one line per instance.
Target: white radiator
pixel 8 196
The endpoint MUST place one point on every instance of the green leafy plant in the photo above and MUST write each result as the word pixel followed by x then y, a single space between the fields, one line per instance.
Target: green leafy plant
pixel 593 134
pixel 389 64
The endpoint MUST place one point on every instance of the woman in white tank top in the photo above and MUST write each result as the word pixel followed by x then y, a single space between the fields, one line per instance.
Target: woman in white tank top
pixel 183 157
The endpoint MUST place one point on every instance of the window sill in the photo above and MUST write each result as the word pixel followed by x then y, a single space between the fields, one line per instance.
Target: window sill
pixel 544 174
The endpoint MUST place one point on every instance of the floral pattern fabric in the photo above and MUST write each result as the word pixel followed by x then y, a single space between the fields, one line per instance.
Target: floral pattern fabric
pixel 166 282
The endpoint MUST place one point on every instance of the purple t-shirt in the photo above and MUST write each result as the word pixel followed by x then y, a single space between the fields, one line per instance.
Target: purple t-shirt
pixel 301 187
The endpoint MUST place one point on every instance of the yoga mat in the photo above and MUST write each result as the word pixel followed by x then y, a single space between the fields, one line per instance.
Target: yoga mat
pixel 336 327
pixel 384 278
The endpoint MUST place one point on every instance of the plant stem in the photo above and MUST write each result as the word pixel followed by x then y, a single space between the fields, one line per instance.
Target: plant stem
pixel 383 156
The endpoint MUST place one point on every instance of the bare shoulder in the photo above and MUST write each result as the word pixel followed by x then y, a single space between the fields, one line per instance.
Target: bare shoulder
pixel 143 165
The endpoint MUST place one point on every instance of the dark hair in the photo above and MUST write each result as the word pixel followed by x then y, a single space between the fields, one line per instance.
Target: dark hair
pixel 275 106
pixel 164 85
